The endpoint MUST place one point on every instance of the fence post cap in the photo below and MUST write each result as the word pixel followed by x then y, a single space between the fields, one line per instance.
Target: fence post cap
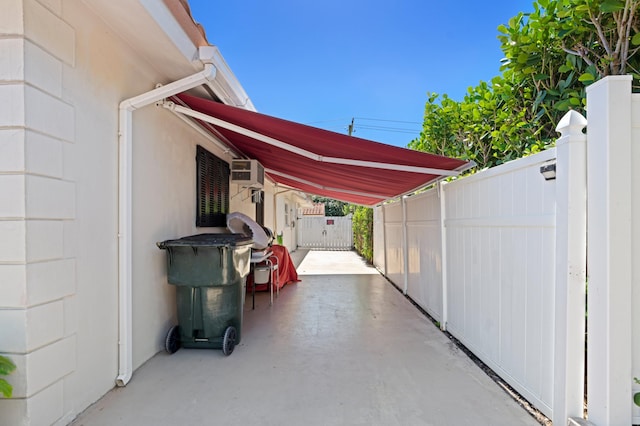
pixel 571 123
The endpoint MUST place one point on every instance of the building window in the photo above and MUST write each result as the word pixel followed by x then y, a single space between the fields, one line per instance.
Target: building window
pixel 213 189
pixel 286 214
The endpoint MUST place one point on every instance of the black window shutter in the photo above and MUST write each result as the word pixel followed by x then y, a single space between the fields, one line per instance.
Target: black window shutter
pixel 213 189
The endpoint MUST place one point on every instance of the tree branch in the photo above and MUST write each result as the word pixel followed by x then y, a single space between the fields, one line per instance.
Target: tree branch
pixel 583 53
pixel 603 39
pixel 630 9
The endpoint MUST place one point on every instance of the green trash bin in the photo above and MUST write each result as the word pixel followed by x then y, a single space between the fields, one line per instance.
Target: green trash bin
pixel 209 272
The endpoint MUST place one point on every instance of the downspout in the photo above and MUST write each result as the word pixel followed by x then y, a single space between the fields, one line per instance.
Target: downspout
pixel 125 207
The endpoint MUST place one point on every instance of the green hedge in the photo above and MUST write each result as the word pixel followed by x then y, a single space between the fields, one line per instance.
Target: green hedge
pixel 363 232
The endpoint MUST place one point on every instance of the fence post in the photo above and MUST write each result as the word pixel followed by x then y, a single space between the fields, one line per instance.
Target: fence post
pixel 609 175
pixel 443 256
pixel 386 251
pixel 405 245
pixel 384 237
pixel 571 260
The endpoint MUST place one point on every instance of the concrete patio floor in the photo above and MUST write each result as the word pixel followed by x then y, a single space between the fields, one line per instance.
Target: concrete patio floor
pixel 341 347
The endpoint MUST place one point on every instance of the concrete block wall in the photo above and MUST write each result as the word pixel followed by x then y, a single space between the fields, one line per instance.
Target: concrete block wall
pixel 37 202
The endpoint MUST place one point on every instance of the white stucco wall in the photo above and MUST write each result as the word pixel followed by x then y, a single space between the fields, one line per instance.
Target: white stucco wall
pixel 164 207
pixel 63 73
pixel 289 199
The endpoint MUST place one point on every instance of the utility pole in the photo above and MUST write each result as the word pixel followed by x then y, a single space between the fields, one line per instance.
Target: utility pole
pixel 351 127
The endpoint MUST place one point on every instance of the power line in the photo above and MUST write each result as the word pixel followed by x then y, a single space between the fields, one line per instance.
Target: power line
pixel 351 127
pixel 389 129
pixel 329 121
pixel 363 118
pixel 337 127
pixel 391 121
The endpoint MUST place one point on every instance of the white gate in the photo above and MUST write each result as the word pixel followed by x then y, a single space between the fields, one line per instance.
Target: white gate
pixel 327 232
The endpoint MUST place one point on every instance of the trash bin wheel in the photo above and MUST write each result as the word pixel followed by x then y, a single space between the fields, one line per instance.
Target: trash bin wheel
pixel 172 341
pixel 229 340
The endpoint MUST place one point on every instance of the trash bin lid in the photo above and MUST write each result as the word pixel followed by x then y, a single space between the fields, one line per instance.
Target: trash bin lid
pixel 209 240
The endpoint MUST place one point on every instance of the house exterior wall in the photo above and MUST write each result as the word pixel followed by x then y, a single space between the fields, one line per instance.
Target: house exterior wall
pixel 285 222
pixel 240 199
pixel 295 206
pixel 38 211
pixel 164 207
pixel 63 73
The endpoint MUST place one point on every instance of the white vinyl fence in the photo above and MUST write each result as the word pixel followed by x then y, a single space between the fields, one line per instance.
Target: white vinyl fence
pixel 327 232
pixel 500 267
pixel 634 260
pixel 500 259
pixel 379 240
pixel 500 253
pixel 613 181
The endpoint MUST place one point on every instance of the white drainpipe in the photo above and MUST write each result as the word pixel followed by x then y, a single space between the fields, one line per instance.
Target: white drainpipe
pixel 125 167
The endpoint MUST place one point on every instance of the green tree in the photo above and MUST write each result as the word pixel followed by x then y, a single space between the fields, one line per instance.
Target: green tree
pixel 564 45
pixel 491 125
pixel 551 55
pixel 331 207
pixel 602 33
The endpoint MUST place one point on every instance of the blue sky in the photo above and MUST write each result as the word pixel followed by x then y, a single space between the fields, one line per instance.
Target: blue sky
pixel 325 62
